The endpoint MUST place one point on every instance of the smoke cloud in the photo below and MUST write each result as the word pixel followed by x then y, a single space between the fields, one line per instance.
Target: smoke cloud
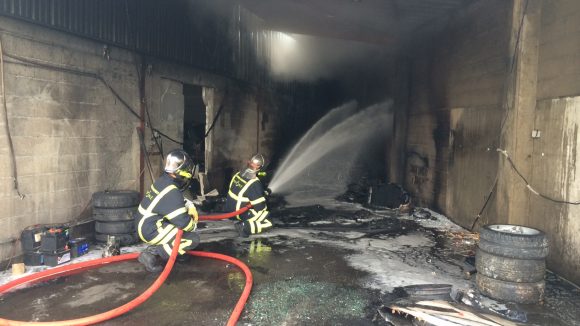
pixel 308 58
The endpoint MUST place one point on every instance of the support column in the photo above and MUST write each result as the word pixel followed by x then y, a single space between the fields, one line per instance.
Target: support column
pixel 396 145
pixel 520 101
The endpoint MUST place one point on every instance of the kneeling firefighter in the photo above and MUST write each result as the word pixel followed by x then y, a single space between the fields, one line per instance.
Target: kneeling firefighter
pixel 246 187
pixel 164 210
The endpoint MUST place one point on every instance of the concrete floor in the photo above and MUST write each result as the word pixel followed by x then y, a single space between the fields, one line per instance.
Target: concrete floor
pixel 317 267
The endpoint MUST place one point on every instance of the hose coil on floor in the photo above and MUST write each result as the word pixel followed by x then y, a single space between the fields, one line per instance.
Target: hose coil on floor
pixel 116 312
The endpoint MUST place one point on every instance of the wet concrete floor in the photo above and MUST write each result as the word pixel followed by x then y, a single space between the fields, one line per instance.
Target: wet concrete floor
pixel 317 267
pixel 295 283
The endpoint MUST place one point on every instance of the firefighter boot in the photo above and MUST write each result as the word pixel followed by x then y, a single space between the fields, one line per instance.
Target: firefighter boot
pixel 183 259
pixel 151 260
pixel 242 229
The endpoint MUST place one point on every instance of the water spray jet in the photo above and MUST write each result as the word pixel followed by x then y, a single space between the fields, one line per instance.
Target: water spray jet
pixel 324 156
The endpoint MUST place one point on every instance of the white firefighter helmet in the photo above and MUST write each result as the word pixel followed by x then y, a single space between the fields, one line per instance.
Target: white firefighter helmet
pixel 256 162
pixel 180 165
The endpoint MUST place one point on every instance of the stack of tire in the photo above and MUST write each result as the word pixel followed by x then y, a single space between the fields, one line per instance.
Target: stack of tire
pixel 510 263
pixel 113 212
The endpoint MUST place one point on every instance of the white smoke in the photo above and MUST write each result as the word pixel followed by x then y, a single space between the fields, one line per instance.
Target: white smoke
pixel 322 126
pixel 325 161
pixel 308 58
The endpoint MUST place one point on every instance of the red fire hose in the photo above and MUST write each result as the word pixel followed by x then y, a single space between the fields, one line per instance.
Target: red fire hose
pixel 76 268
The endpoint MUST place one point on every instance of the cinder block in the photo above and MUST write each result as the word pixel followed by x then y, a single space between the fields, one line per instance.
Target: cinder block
pixel 77 94
pixel 18 223
pixel 42 183
pixel 12 205
pixel 32 127
pixel 36 146
pixel 7 186
pixel 27 86
pixel 72 58
pixel 34 165
pixel 79 145
pixel 85 177
pixel 14 69
pixel 5 168
pixel 62 214
pixel 70 162
pixel 117 144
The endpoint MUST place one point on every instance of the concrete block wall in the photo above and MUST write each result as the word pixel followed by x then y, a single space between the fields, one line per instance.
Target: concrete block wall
pixel 460 89
pixel 235 134
pixel 554 156
pixel 164 102
pixel 559 58
pixel 244 128
pixel 555 163
pixel 455 111
pixel 71 136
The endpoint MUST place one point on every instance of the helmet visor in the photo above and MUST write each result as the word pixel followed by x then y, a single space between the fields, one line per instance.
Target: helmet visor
pixel 186 169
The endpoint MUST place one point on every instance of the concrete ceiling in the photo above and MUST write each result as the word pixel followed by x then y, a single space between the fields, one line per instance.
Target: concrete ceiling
pixel 372 21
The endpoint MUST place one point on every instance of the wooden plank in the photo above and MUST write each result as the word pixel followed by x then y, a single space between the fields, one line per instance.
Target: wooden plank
pixel 442 313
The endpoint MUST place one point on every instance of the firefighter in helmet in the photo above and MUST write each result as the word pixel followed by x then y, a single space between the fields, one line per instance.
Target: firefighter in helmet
pixel 245 187
pixel 164 210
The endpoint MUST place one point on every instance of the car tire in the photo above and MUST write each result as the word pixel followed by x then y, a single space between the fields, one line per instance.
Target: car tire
pixel 517 292
pixel 115 199
pixel 510 269
pixel 514 236
pixel 428 292
pixel 114 214
pixel 513 252
pixel 115 227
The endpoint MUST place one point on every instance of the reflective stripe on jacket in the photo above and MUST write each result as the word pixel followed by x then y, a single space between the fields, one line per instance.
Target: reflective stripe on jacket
pixel 163 203
pixel 243 191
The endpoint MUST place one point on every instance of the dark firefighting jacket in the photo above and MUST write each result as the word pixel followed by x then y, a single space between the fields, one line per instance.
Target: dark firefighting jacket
pixel 163 203
pixel 243 191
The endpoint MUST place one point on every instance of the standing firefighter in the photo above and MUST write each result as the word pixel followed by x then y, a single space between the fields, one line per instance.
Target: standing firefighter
pixel 164 210
pixel 245 187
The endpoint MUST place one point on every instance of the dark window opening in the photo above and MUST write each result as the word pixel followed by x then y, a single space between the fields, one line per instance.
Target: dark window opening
pixel 194 123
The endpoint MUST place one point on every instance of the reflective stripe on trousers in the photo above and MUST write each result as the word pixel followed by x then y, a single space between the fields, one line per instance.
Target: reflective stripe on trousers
pixel 259 222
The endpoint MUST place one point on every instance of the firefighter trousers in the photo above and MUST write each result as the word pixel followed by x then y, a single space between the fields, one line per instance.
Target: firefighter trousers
pixel 164 238
pixel 257 222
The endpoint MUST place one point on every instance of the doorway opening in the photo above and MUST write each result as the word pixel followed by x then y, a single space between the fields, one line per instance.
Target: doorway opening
pixel 194 123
